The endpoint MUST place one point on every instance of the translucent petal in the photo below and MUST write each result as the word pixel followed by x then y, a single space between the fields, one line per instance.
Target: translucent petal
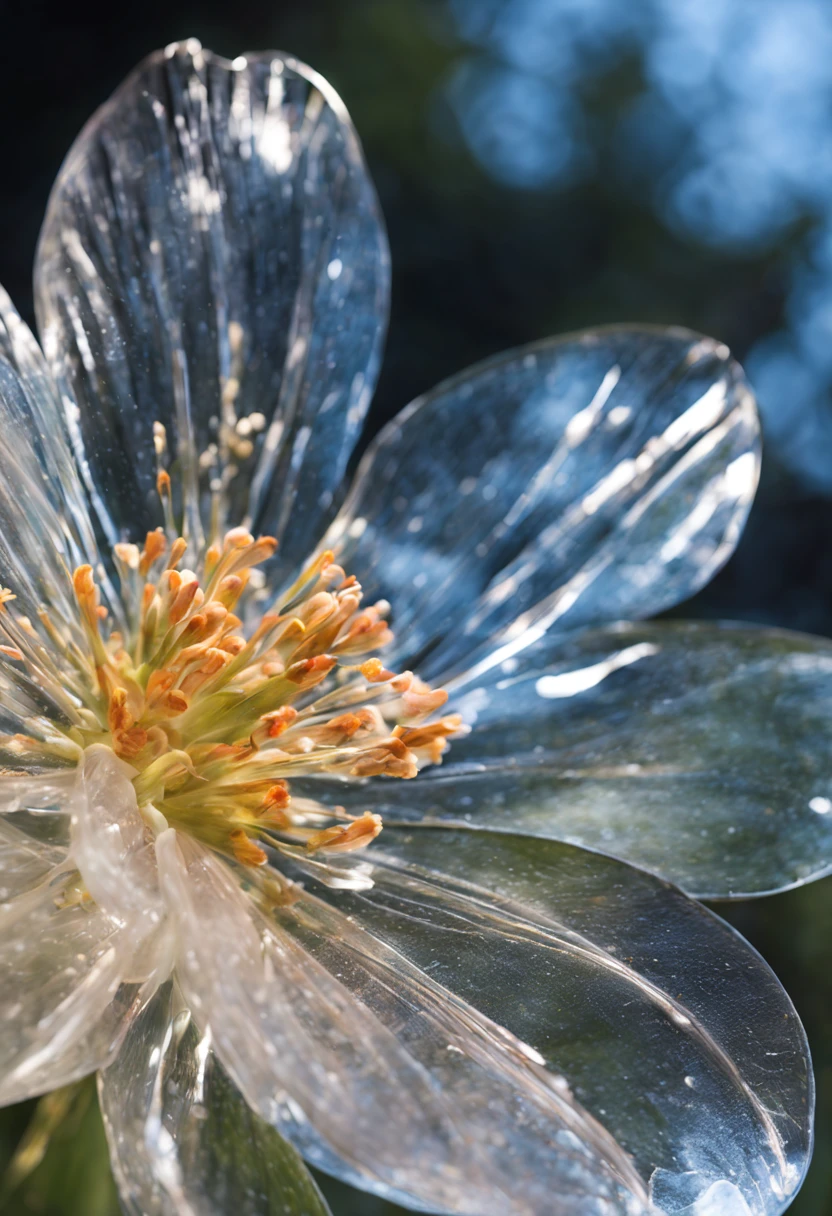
pixel 182 1139
pixel 213 258
pixel 44 527
pixel 659 1020
pixel 429 1104
pixel 112 845
pixel 34 828
pixel 65 998
pixel 600 476
pixel 83 938
pixel 698 751
pixel 24 860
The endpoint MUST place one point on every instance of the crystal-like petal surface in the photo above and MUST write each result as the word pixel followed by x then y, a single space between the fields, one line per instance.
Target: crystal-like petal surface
pixel 182 1139
pixel 44 526
pixel 213 259
pixel 25 859
pixel 430 1104
pixel 659 1019
pixel 65 1000
pixel 512 1019
pixel 83 937
pixel 699 751
pixel 599 476
pixel 45 530
pixel 113 847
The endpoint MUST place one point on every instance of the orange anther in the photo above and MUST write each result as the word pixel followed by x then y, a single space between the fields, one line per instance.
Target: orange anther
pixel 185 596
pixel 245 851
pixel 83 582
pixel 374 672
pixel 343 838
pixel 177 552
pixel 277 796
pixel 237 538
pixel 175 701
pixel 309 672
pixel 119 717
pixel 232 644
pixel 154 546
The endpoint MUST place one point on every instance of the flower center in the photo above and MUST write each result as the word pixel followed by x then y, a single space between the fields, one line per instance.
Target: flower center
pixel 216 716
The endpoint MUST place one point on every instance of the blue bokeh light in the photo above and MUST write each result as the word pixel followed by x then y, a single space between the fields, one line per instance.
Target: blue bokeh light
pixel 728 135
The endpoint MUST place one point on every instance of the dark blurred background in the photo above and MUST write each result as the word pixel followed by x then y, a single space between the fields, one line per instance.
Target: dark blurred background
pixel 543 165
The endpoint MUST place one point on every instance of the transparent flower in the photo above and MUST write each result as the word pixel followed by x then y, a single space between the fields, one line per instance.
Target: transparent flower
pixel 199 741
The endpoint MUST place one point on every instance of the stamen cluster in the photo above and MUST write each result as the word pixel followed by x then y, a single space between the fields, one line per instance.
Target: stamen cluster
pixel 214 719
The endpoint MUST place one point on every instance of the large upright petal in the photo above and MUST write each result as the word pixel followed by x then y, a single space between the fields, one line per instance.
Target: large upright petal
pixel 601 476
pixel 699 751
pixel 182 1139
pixel 213 259
pixel 502 1025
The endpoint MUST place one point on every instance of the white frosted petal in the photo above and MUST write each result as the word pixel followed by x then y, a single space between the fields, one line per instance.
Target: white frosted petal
pixel 65 1002
pixel 213 258
pixel 83 937
pixel 111 843
pixel 600 476
pixel 182 1139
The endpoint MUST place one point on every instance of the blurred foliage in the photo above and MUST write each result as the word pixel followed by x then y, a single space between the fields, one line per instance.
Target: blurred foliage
pixel 61 1163
pixel 484 261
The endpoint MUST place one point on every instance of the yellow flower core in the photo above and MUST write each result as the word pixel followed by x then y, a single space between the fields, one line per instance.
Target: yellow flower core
pixel 216 717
